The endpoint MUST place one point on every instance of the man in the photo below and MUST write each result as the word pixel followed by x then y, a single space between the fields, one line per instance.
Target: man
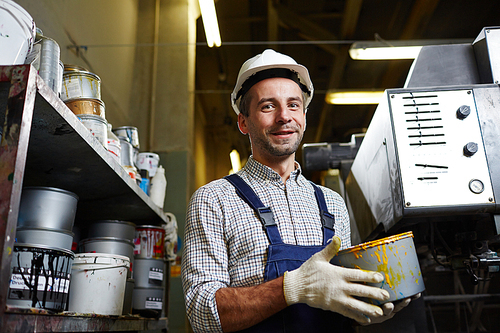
pixel 258 244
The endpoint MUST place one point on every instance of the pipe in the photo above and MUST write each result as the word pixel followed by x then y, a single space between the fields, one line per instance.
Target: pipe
pixel 152 111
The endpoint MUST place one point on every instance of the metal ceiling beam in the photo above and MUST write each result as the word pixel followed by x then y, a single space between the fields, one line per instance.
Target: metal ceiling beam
pixel 306 28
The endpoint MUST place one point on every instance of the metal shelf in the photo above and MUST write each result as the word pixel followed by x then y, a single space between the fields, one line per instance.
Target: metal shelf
pixel 24 320
pixel 45 144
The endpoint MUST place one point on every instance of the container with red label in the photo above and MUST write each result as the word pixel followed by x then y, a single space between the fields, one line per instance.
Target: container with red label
pixel 149 242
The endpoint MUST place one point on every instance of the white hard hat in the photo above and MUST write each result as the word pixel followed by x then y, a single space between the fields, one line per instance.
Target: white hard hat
pixel 268 64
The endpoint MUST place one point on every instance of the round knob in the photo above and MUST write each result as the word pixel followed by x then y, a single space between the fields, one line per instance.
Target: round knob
pixel 463 112
pixel 470 149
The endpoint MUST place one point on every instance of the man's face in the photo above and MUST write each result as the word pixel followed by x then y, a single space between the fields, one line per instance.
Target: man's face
pixel 276 120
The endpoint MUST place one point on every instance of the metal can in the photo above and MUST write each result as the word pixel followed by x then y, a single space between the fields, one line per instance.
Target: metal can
pixel 149 242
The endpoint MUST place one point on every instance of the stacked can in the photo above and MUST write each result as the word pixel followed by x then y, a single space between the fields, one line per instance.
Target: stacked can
pixel 150 271
pixel 42 259
pixel 129 141
pixel 81 92
pixel 113 237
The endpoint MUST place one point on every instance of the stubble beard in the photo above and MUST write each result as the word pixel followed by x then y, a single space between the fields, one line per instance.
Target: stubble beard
pixel 285 148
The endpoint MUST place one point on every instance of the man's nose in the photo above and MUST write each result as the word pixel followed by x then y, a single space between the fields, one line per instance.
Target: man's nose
pixel 284 114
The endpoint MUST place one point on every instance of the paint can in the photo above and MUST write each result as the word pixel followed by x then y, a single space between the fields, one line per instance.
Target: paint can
pixel 91 106
pixel 149 242
pixel 47 207
pixel 80 84
pixel 17 33
pixel 48 237
pixel 40 277
pixel 395 257
pixel 148 161
pixel 97 125
pixel 74 68
pixel 148 302
pixel 98 283
pixel 149 273
pixel 50 66
pixel 112 228
pixel 129 132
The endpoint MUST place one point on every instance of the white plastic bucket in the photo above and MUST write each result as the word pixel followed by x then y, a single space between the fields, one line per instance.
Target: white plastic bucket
pixel 17 33
pixel 98 283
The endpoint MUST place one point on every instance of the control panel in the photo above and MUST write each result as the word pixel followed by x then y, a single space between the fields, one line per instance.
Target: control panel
pixel 440 149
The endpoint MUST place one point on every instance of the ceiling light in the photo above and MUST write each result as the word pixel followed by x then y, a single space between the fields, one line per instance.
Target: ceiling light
pixel 399 49
pixel 353 97
pixel 209 17
pixel 234 156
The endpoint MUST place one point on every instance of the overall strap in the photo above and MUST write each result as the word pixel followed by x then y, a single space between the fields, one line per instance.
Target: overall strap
pixel 327 219
pixel 264 213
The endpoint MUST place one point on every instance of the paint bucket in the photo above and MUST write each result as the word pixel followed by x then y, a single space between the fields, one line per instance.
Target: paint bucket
pixel 40 277
pixel 112 228
pixel 395 257
pixel 148 161
pixel 91 106
pixel 110 245
pixel 17 33
pixel 127 152
pixel 97 125
pixel 50 66
pixel 129 132
pixel 148 302
pixel 149 242
pixel 47 207
pixel 80 84
pixel 129 292
pixel 98 283
pixel 48 237
pixel 149 273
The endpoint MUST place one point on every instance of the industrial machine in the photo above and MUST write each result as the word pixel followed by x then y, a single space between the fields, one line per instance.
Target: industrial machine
pixel 430 160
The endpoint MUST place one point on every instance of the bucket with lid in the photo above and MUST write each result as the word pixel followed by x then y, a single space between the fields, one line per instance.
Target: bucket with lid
pixel 40 277
pixel 97 125
pixel 17 33
pixel 149 242
pixel 47 207
pixel 395 257
pixel 98 283
pixel 49 237
pixel 110 245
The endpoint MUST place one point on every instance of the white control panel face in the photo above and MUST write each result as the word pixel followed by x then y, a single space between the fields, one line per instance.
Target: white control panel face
pixel 440 149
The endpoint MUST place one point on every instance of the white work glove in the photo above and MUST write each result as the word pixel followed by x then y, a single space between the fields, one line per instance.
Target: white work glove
pixel 320 284
pixel 390 310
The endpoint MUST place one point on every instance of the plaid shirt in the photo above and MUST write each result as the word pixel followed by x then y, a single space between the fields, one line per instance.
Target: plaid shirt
pixel 226 245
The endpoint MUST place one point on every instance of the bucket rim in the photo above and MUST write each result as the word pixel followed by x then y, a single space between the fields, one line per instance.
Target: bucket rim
pixel 106 239
pixel 52 189
pixel 68 74
pixel 44 247
pixel 101 254
pixel 377 242
pixel 148 227
pixel 62 231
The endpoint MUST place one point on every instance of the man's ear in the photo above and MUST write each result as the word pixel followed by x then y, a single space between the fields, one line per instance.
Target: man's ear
pixel 242 124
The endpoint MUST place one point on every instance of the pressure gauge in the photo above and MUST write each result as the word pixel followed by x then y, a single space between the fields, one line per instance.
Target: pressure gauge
pixel 476 186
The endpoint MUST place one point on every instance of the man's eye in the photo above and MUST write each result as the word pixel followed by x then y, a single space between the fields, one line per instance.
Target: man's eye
pixel 294 105
pixel 267 107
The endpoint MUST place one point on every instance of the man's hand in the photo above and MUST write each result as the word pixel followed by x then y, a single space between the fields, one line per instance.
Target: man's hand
pixel 320 284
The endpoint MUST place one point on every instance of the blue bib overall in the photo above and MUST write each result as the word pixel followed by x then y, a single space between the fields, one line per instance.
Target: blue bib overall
pixel 285 257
